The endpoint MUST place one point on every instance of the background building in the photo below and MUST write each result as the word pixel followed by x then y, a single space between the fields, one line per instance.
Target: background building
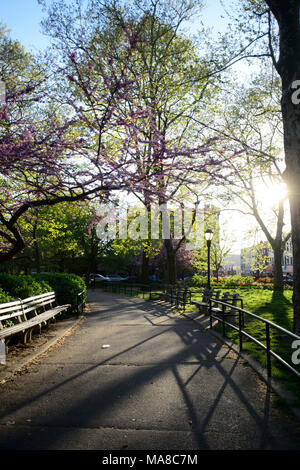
pixel 260 258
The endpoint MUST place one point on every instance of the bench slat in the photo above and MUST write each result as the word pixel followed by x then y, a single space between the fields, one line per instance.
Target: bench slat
pixel 15 307
pixel 10 304
pixel 33 306
pixel 39 296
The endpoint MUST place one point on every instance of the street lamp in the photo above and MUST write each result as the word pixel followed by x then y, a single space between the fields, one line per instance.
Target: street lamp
pixel 208 237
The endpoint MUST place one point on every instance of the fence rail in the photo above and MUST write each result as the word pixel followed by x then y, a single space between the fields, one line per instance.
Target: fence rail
pixel 241 313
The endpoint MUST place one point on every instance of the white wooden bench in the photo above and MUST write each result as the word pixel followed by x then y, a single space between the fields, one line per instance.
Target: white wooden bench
pixel 204 304
pixel 23 316
pixel 228 307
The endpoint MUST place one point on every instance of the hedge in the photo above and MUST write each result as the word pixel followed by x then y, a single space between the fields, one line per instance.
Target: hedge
pixel 4 297
pixel 21 286
pixel 65 286
pixel 225 282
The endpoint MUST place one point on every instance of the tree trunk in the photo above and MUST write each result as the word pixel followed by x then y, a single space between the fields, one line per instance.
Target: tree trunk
pixel 288 67
pixel 171 262
pixel 36 250
pixel 145 268
pixel 278 277
pixel 37 257
pixel 291 123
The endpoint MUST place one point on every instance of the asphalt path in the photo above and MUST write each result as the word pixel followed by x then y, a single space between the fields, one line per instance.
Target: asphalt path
pixel 134 375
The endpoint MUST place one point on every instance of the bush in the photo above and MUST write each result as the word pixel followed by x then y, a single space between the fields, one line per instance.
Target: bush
pixel 198 281
pixel 236 281
pixel 4 297
pixel 65 286
pixel 265 280
pixel 22 286
pixel 232 281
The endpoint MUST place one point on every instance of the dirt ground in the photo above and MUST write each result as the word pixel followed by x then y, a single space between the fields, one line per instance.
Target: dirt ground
pixel 19 355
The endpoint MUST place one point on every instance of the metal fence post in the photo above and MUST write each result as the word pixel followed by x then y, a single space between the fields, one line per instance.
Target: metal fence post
pixel 268 344
pixel 223 319
pixel 209 312
pixel 240 331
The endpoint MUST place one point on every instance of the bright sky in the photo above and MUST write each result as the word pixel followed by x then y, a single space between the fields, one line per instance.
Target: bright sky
pixel 23 18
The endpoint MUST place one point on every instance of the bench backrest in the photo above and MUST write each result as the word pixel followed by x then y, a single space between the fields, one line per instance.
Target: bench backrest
pixel 215 298
pixel 230 299
pixel 19 309
pixel 38 302
pixel 10 310
pixel 234 299
pixel 207 294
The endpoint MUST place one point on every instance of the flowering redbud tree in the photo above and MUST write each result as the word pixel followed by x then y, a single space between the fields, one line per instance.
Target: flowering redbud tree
pixel 75 131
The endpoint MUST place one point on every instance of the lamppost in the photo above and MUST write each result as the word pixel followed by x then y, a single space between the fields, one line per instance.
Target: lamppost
pixel 208 236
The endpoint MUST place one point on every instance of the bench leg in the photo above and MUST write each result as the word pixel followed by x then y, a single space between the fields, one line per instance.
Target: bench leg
pixel 203 310
pixel 4 347
pixel 7 340
pixel 27 336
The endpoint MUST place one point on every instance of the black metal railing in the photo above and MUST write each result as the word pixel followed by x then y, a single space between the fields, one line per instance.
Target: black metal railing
pixel 127 288
pixel 174 294
pixel 181 296
pixel 239 315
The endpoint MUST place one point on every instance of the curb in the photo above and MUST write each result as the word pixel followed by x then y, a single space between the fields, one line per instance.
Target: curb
pixel 276 386
pixel 36 356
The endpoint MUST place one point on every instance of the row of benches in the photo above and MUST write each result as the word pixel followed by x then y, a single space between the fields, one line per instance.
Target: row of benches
pixel 176 295
pixel 22 317
pixel 212 303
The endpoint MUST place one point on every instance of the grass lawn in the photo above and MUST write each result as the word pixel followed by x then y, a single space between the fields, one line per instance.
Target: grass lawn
pixel 276 307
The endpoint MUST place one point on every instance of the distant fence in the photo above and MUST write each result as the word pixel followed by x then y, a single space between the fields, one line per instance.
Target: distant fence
pixel 175 295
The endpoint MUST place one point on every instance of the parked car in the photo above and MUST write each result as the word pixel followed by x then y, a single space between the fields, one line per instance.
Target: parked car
pixel 96 277
pixel 100 277
pixel 288 279
pixel 116 278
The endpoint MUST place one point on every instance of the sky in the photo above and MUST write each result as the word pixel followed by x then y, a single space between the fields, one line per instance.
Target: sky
pixel 23 18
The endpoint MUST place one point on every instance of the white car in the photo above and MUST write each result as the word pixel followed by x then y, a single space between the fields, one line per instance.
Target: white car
pixel 98 277
pixel 116 278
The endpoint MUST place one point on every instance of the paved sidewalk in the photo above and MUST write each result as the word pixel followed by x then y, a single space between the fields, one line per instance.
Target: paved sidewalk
pixel 134 376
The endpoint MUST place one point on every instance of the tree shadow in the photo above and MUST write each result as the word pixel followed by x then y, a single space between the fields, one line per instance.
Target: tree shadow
pixel 100 404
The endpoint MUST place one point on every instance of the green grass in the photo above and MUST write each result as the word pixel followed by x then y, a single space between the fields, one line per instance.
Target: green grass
pixel 276 307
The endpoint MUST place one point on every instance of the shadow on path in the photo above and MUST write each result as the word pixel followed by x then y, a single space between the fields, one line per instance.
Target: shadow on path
pixel 201 409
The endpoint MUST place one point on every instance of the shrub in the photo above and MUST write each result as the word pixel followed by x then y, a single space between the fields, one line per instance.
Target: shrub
pixel 236 281
pixel 4 297
pixel 198 281
pixel 232 281
pixel 65 286
pixel 265 280
pixel 22 286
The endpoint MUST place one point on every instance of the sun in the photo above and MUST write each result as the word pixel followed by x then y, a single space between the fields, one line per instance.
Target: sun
pixel 269 195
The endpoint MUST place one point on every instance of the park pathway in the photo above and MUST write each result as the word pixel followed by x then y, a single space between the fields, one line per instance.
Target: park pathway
pixel 134 375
